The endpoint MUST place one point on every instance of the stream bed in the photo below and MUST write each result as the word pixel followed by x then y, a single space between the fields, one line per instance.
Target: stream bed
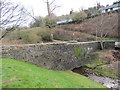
pixel 106 81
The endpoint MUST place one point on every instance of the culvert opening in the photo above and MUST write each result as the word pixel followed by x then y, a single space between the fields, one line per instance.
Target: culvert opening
pixel 88 72
pixel 83 70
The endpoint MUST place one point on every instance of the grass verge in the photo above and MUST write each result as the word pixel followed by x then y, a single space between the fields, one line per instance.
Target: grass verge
pixel 17 74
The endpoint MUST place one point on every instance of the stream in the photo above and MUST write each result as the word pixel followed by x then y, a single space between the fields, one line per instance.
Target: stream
pixel 108 82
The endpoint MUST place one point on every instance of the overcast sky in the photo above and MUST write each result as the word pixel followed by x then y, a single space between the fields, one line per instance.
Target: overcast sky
pixel 40 9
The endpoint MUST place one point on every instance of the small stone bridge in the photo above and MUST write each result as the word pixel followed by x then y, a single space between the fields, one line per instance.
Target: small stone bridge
pixel 54 56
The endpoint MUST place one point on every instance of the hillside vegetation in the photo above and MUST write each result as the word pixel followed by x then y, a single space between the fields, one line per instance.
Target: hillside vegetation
pixel 39 35
pixel 85 31
pixel 62 34
pixel 28 36
pixel 109 25
pixel 16 74
pixel 105 62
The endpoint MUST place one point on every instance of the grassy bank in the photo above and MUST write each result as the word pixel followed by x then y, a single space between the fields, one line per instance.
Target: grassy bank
pixel 100 62
pixel 17 74
pixel 28 36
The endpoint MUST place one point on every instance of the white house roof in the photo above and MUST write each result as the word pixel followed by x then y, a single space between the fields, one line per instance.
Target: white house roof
pixel 64 21
pixel 112 6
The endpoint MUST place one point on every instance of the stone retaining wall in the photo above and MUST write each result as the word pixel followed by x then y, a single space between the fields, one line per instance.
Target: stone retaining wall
pixel 54 56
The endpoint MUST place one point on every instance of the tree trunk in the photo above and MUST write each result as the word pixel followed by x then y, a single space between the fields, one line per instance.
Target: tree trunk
pixel 101 33
pixel 101 44
pixel 8 31
pixel 48 8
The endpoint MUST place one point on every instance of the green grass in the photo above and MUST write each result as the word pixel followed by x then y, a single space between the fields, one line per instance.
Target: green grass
pixel 109 39
pixel 101 65
pixel 78 52
pixel 107 72
pixel 17 74
pixel 62 39
pixel 95 60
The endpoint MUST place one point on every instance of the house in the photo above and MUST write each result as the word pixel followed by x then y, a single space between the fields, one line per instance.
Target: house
pixel 64 21
pixel 117 45
pixel 110 8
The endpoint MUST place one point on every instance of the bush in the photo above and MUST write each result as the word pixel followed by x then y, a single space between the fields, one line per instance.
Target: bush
pixel 117 2
pixel 50 21
pixel 38 22
pixel 45 35
pixel 78 16
pixel 29 36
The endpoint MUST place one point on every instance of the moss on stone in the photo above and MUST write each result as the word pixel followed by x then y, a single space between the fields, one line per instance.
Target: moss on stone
pixel 78 52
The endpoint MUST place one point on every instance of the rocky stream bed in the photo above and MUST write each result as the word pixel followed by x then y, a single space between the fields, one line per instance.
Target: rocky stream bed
pixel 106 81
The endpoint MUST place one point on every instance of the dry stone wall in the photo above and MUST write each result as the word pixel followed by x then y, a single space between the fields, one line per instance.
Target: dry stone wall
pixel 54 56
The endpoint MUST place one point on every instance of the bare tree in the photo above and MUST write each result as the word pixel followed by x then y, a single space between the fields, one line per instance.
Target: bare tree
pixel 37 22
pixel 51 7
pixel 102 33
pixel 11 15
pixel 98 5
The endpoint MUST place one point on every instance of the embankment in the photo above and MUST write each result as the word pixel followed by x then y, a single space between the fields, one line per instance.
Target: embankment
pixel 55 56
pixel 107 22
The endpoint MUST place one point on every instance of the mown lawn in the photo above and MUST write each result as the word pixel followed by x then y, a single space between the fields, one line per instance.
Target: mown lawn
pixel 17 74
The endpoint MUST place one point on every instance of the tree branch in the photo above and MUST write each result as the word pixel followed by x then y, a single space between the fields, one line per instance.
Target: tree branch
pixel 11 15
pixel 52 2
pixel 54 8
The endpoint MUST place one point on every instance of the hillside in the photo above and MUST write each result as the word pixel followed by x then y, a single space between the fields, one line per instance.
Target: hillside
pixel 63 34
pixel 28 36
pixel 85 31
pixel 109 25
pixel 16 74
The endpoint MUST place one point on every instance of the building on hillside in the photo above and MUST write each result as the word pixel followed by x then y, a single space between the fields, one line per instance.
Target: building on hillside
pixel 110 8
pixel 64 21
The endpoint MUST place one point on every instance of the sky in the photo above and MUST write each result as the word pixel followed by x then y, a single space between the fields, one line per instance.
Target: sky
pixel 40 9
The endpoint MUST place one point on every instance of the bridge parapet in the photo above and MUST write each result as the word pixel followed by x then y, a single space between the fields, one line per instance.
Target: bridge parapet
pixel 54 56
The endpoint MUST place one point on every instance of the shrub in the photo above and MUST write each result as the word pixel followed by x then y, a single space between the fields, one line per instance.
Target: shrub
pixel 29 36
pixel 78 52
pixel 78 16
pixel 45 34
pixel 38 22
pixel 50 21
